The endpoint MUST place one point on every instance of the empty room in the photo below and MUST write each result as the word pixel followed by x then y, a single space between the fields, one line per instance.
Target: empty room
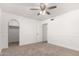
pixel 39 29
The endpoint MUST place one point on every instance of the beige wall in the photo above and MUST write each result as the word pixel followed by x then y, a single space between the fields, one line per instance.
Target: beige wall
pixel 64 30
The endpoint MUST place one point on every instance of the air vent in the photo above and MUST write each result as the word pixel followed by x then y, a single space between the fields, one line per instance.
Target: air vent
pixel 52 19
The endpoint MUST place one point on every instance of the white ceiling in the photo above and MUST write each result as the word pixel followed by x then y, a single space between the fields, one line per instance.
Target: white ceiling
pixel 23 9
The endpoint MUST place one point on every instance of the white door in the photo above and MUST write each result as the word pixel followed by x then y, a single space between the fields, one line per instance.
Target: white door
pixel 44 32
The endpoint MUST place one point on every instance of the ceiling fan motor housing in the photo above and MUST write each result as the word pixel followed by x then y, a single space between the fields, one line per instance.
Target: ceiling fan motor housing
pixel 42 6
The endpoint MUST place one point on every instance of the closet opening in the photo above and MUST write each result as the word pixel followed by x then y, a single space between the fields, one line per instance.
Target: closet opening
pixel 13 33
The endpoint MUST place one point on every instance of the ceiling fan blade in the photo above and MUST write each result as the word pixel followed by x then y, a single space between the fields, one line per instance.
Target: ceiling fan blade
pixel 52 7
pixel 48 12
pixel 34 9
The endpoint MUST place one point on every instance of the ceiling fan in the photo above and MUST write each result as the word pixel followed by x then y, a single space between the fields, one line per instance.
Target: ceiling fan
pixel 43 9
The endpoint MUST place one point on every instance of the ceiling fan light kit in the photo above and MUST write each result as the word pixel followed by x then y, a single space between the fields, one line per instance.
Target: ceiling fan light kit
pixel 43 12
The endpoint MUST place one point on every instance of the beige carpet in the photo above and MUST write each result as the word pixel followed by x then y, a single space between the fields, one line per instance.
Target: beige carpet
pixel 38 49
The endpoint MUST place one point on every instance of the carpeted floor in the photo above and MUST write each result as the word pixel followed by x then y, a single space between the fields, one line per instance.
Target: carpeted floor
pixel 38 49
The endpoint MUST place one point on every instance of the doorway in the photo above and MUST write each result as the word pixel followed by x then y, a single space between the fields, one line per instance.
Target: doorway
pixel 44 32
pixel 13 33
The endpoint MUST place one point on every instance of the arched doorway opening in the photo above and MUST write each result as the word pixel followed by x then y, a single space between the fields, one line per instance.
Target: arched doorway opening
pixel 13 33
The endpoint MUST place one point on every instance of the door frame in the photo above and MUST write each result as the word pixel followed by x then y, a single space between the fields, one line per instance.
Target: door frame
pixel 8 29
pixel 43 35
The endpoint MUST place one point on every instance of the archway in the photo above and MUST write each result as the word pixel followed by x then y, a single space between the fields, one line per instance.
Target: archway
pixel 13 33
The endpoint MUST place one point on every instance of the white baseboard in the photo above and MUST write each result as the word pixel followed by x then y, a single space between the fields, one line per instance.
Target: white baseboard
pixel 65 46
